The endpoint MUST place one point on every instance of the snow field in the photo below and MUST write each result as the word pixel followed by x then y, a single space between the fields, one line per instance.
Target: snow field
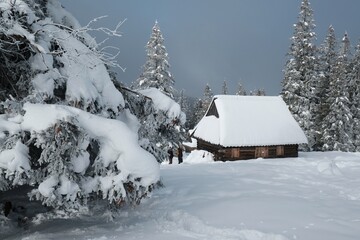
pixel 315 196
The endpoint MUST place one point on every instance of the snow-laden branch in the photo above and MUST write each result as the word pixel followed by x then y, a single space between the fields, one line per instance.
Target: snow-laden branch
pixel 109 58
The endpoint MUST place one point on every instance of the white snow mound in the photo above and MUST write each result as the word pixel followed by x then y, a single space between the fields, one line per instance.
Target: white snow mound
pixel 199 156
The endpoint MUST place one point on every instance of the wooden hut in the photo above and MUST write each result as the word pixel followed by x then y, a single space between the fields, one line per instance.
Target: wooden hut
pixel 247 127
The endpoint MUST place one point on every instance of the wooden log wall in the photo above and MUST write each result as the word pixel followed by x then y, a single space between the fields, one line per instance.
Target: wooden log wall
pixel 244 153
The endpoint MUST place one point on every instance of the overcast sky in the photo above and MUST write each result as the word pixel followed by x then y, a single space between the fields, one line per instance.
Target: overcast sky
pixel 212 40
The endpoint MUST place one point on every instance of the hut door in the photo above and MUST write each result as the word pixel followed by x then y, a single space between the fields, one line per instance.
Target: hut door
pixel 261 152
pixel 235 153
pixel 280 151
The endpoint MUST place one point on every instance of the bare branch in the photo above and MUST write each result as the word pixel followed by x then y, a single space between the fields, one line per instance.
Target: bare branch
pixel 107 57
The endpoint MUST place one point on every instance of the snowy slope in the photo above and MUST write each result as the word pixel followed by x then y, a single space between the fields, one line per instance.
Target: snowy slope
pixel 315 196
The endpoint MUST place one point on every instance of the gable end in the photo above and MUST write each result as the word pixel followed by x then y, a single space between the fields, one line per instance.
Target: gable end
pixel 212 110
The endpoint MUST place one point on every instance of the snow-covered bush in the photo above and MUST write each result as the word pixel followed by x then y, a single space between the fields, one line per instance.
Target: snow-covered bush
pixel 56 98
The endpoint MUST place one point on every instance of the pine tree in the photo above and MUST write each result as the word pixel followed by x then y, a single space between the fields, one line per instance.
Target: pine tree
pixel 158 130
pixel 241 90
pixel 49 62
pixel 354 83
pixel 198 111
pixel 346 47
pixel 206 100
pixel 190 113
pixel 224 88
pixel 185 107
pixel 156 72
pixel 338 124
pixel 202 104
pixel 258 92
pixel 300 72
pixel 338 135
pixel 327 60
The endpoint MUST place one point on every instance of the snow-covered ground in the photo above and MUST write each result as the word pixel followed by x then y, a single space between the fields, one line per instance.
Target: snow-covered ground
pixel 315 196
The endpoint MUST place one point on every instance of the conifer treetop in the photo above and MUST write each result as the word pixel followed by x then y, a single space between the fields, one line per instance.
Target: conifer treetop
pixel 345 50
pixel 225 89
pixel 156 72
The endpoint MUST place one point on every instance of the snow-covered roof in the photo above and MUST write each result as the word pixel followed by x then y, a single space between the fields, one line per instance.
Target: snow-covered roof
pixel 234 121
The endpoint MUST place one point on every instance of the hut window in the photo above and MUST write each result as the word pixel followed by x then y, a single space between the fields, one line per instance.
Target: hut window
pixel 235 153
pixel 272 151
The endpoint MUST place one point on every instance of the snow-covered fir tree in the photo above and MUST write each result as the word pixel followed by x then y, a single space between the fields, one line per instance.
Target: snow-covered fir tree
pixel 156 72
pixel 328 55
pixel 224 89
pixel 56 101
pixel 346 47
pixel 204 103
pixel 241 90
pixel 347 65
pixel 354 83
pixel 338 124
pixel 196 113
pixel 201 105
pixel 182 100
pixel 207 97
pixel 300 73
pixel 185 106
pixel 258 92
pixel 163 125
